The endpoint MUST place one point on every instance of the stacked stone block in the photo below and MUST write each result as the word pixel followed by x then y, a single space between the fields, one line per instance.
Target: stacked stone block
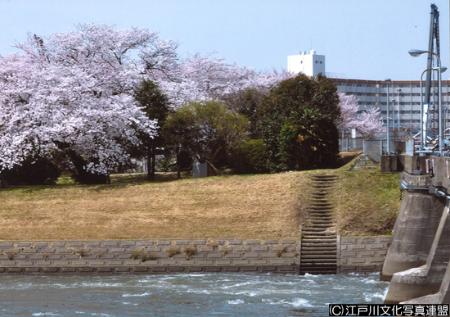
pixel 355 254
pixel 149 256
pixel 362 253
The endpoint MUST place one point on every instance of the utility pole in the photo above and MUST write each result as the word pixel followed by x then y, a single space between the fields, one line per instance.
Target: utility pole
pixel 399 90
pixel 388 137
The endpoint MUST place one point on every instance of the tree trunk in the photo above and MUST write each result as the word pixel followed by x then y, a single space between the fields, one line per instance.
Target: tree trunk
pixel 178 163
pixel 153 162
pixel 150 160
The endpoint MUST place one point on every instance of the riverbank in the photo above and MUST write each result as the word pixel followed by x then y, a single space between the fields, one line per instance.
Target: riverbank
pixel 355 254
pixel 266 206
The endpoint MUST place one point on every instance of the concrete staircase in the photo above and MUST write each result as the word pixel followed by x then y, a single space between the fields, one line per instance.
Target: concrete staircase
pixel 318 247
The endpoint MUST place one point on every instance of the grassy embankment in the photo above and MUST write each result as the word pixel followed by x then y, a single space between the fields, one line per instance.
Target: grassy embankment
pixel 367 201
pixel 253 206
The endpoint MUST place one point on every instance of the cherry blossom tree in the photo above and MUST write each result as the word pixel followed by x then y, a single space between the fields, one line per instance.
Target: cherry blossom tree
pixel 368 122
pixel 204 78
pixel 71 94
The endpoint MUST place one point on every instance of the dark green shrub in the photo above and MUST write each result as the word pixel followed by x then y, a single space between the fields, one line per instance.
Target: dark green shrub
pixel 32 172
pixel 250 157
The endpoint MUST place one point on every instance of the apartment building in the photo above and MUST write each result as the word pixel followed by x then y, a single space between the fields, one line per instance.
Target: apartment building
pixel 403 96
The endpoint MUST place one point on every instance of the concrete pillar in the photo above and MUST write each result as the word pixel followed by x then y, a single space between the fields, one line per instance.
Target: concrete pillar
pixel 429 278
pixel 445 287
pixel 413 233
pixel 442 297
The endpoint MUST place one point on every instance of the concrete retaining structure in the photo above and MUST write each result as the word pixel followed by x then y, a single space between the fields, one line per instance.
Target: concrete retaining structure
pixel 355 254
pixel 414 231
pixel 149 256
pixel 423 227
pixel 428 278
pixel 362 253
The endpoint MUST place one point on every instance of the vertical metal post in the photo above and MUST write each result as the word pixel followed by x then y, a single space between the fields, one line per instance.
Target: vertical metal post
pixel 441 138
pixel 422 132
pixel 398 110
pixel 388 140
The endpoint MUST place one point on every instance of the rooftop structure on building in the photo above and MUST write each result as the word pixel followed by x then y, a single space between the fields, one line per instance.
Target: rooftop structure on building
pixel 308 63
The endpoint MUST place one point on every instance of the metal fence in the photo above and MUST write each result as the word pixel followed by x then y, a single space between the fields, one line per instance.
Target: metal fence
pixel 350 144
pixel 373 148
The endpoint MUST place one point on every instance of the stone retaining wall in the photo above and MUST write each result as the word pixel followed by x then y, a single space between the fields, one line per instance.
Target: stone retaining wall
pixel 149 256
pixel 362 254
pixel 355 254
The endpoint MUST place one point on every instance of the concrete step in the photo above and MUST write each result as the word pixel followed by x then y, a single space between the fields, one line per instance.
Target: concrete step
pixel 320 221
pixel 323 179
pixel 319 211
pixel 318 235
pixel 323 199
pixel 320 207
pixel 320 203
pixel 316 259
pixel 329 250
pixel 315 231
pixel 317 225
pixel 316 265
pixel 321 239
pixel 313 271
pixel 318 246
pixel 330 242
pixel 322 217
pixel 309 225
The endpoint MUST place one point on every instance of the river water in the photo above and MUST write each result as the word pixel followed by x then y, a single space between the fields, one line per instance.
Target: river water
pixel 185 294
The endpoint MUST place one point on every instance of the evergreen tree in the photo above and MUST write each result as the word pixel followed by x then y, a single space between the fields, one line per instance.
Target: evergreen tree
pixel 298 123
pixel 156 106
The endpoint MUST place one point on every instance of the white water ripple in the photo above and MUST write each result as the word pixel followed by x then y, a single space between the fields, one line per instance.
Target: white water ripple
pixel 136 295
pixel 235 301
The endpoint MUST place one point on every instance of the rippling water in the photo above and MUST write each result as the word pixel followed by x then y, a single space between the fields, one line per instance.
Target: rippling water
pixel 185 294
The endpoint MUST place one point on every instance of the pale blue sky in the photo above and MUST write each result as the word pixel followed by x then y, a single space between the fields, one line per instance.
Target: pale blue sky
pixel 366 39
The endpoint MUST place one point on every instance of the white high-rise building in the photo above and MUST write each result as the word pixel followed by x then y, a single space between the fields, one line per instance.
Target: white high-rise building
pixel 308 63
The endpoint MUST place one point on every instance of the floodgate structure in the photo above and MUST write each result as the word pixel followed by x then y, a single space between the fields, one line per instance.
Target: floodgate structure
pixel 417 262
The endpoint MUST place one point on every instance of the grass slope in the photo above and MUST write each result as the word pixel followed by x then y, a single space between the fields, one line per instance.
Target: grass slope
pixel 255 206
pixel 366 201
pixel 268 206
